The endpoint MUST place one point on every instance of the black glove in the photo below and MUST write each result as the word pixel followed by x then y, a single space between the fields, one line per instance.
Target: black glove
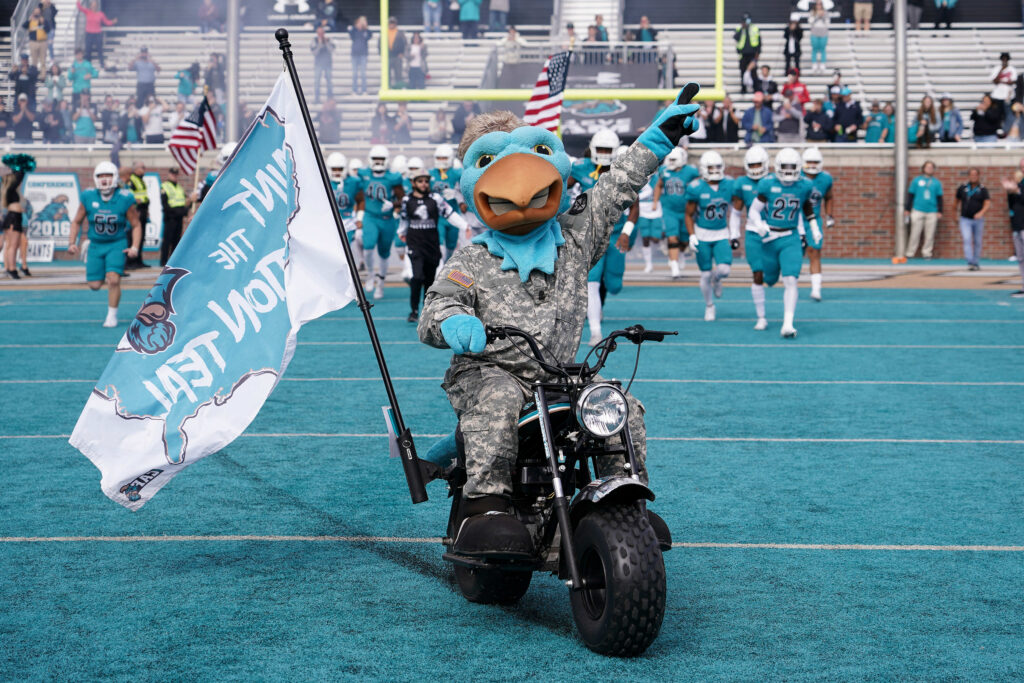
pixel 803 241
pixel 735 244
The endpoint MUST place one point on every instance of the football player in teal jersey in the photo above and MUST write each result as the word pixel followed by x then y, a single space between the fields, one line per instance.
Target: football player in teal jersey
pixel 586 171
pixel 649 225
pixel 222 158
pixel 744 191
pixel 673 180
pixel 110 212
pixel 712 230
pixel 821 197
pixel 382 192
pixel 776 213
pixel 348 196
pixel 444 180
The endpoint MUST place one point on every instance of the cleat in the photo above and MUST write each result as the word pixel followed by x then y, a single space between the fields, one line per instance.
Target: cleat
pixel 1019 294
pixel 595 340
pixel 788 332
pixel 709 314
pixel 369 284
pixel 816 295
pixel 378 291
pixel 673 267
pixel 649 268
pixel 110 321
pixel 762 324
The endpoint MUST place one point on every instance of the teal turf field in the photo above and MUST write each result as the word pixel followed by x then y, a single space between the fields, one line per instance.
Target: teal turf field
pixel 846 506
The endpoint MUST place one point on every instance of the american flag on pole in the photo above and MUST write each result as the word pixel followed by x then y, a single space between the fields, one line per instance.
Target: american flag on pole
pixel 545 106
pixel 193 136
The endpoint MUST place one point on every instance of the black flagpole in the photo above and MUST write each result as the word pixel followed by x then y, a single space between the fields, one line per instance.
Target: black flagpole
pixel 406 448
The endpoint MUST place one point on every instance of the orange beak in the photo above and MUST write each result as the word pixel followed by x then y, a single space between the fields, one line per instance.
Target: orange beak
pixel 518 193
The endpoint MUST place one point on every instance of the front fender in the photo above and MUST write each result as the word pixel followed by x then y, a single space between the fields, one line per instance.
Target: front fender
pixel 607 491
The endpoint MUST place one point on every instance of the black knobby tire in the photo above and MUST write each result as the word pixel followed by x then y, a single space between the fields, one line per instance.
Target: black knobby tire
pixel 492 586
pixel 620 609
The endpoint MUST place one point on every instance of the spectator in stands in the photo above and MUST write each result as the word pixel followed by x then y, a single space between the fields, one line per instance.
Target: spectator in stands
pixel 462 116
pixel 327 15
pixel 65 111
pixel 84 119
pixel 25 77
pixel 592 54
pixel 209 17
pixel 51 124
pixel 819 122
pixel 499 14
pixel 81 73
pixel 360 36
pixel 890 112
pixel 402 132
pixel 55 84
pixel 431 16
pixel 416 56
pixel 757 121
pixel 795 89
pixel 50 17
pixel 382 125
pixel 748 45
pixel 924 208
pixel 766 84
pixel 173 119
pixel 145 74
pixel 1015 198
pixel 469 18
pixel 602 30
pixel 731 121
pixel 876 125
pixel 926 124
pixel 848 118
pixel 569 39
pixel 5 121
pixel 112 136
pixel 915 8
pixel 37 31
pixel 792 36
pixel 110 116
pixel 787 122
pixel 647 34
pixel 440 128
pixel 951 126
pixel 450 14
pixel 131 123
pixel 1015 126
pixel 987 118
pixel 1004 77
pixel 216 77
pixel 819 37
pixel 329 123
pixel 187 82
pixel 322 48
pixel 153 120
pixel 510 45
pixel 397 45
pixel 972 203
pixel 944 13
pixel 862 11
pixel 95 20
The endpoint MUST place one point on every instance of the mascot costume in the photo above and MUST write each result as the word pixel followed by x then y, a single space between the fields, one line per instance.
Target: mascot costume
pixel 528 269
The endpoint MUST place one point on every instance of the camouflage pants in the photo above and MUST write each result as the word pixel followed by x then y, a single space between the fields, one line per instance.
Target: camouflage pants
pixel 488 401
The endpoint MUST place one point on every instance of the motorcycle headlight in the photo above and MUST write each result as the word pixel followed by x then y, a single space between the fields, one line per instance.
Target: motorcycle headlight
pixel 602 410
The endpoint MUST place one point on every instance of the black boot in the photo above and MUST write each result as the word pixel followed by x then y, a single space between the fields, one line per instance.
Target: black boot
pixel 661 531
pixel 488 530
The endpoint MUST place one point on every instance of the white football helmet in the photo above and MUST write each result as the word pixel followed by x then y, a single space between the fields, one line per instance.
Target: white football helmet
pixel 354 165
pixel 787 165
pixel 443 157
pixel 414 167
pixel 755 162
pixel 336 163
pixel 399 164
pixel 676 159
pixel 105 178
pixel 813 161
pixel 603 146
pixel 379 157
pixel 712 168
pixel 225 153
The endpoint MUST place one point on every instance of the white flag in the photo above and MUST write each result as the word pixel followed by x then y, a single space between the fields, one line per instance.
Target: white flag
pixel 213 337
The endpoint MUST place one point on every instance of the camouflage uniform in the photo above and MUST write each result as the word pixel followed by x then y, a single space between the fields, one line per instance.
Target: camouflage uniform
pixel 488 390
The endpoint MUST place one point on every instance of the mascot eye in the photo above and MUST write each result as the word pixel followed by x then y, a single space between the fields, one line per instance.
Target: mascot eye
pixel 484 160
pixel 542 149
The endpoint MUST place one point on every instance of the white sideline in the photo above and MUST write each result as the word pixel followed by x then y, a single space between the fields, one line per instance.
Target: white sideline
pixel 436 539
pixel 869 382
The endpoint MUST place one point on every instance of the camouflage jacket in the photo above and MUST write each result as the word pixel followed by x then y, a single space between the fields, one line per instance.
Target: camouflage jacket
pixel 550 307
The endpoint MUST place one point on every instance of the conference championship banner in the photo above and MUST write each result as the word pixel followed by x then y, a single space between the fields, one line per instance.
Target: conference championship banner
pixel 216 332
pixel 51 200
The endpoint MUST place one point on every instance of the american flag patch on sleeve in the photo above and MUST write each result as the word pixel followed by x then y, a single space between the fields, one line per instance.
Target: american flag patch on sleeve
pixel 460 278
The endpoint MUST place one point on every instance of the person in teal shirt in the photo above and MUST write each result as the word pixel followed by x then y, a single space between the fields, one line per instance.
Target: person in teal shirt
pixel 877 125
pixel 81 72
pixel 185 85
pixel 711 233
pixel 673 179
pixel 469 18
pixel 890 113
pixel 84 118
pixel 924 208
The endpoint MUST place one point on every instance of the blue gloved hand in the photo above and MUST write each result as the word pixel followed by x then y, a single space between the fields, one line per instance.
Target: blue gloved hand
pixel 464 333
pixel 665 132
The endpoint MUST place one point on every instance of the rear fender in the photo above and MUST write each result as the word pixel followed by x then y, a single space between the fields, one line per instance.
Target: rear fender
pixel 607 491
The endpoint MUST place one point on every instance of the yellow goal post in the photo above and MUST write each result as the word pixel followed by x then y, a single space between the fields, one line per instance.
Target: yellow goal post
pixel 388 94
